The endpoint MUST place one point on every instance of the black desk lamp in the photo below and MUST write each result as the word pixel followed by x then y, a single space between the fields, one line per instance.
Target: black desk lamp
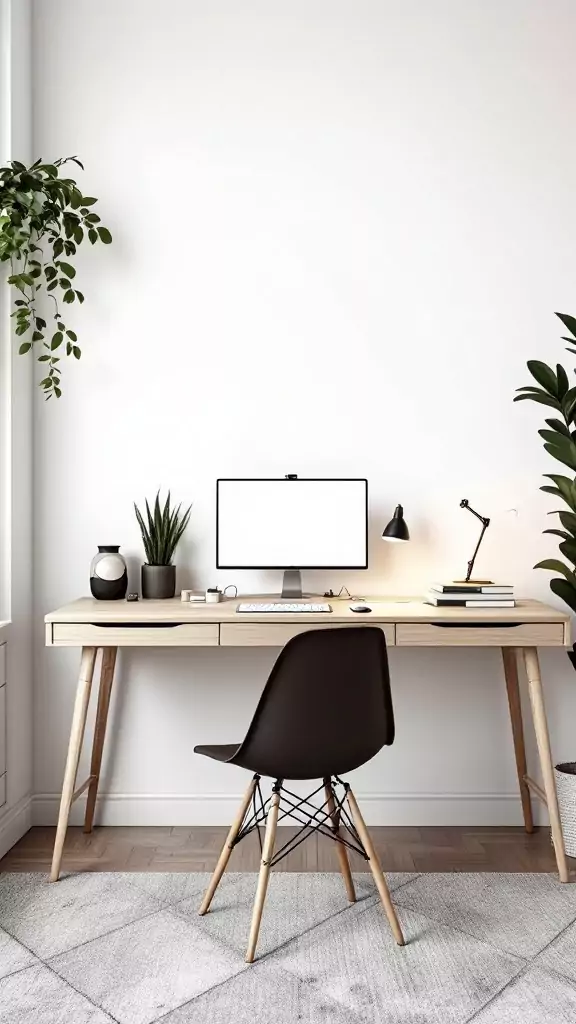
pixel 485 524
pixel 397 529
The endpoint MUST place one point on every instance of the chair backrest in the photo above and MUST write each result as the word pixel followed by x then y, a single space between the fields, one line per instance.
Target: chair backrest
pixel 326 708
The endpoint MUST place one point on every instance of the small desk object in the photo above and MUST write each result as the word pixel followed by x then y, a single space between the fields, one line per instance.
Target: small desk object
pixel 108 625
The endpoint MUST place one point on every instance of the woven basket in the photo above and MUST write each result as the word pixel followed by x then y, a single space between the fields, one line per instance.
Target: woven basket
pixel 566 786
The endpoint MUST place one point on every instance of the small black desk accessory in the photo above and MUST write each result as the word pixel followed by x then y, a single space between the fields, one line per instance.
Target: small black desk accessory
pixel 485 524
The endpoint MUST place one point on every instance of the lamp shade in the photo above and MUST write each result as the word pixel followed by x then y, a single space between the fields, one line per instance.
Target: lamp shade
pixel 397 529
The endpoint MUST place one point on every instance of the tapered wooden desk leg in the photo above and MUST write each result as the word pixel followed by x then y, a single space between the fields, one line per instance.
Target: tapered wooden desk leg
pixel 267 852
pixel 226 851
pixel 376 869
pixel 509 657
pixel 74 748
pixel 543 741
pixel 340 849
pixel 105 689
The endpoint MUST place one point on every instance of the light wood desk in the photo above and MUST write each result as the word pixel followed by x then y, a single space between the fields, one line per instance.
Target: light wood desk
pixel 107 625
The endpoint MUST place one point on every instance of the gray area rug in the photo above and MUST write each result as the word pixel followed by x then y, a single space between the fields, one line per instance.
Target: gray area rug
pixel 130 948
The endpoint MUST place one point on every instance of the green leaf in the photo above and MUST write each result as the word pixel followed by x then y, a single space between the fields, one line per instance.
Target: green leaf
pixel 24 347
pixel 64 282
pixel 57 392
pixel 88 201
pixel 544 376
pixel 71 335
pixel 37 336
pixel 77 351
pixel 568 321
pixel 565 590
pixel 43 359
pixel 555 565
pixel 57 339
pixel 559 426
pixel 569 404
pixel 542 398
pixel 568 549
pixel 565 487
pixel 568 520
pixel 22 329
pixel 559 533
pixel 563 448
pixel 67 268
pixel 68 296
pixel 105 235
pixel 80 297
pixel 93 235
pixel 562 380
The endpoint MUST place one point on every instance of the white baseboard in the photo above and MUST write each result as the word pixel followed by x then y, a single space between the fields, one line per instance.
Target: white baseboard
pixel 219 809
pixel 15 823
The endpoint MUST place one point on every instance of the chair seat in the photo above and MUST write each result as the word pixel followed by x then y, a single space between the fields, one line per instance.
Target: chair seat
pixel 218 751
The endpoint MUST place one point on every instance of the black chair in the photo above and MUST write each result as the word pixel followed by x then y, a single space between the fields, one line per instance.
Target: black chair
pixel 326 709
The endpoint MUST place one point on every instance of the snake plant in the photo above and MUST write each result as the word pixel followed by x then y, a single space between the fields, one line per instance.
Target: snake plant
pixel 162 530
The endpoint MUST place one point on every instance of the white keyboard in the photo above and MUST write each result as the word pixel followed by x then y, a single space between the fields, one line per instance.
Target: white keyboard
pixel 299 606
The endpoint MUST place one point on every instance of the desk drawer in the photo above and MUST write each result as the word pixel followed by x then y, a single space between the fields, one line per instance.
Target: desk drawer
pixel 276 634
pixel 426 634
pixel 87 634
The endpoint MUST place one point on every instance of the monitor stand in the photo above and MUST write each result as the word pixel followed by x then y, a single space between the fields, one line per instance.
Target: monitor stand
pixel 292 585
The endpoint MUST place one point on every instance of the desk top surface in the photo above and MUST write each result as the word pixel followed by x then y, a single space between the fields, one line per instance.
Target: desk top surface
pixel 384 609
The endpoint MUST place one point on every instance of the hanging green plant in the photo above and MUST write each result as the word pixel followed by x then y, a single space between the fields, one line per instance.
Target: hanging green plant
pixel 43 218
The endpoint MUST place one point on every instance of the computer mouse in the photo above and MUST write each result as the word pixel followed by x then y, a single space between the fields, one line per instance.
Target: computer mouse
pixel 360 608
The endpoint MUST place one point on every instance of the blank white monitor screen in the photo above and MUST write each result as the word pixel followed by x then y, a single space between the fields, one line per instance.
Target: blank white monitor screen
pixel 285 524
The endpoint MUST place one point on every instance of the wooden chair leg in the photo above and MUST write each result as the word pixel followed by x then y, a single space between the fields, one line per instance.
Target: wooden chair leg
pixel 74 749
pixel 375 868
pixel 267 852
pixel 104 692
pixel 543 741
pixel 228 847
pixel 340 849
pixel 509 657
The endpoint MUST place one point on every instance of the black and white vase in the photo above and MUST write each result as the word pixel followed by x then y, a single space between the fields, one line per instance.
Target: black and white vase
pixel 108 574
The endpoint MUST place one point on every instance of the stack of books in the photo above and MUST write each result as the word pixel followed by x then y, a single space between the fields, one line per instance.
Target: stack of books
pixel 471 595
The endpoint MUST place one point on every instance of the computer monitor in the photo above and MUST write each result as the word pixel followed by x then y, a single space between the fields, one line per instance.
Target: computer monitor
pixel 292 523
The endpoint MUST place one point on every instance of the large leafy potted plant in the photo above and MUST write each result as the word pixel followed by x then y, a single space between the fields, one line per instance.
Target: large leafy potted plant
pixel 559 438
pixel 43 220
pixel 161 532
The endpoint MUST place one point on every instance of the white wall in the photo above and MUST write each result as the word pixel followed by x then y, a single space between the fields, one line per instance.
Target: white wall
pixel 16 410
pixel 340 230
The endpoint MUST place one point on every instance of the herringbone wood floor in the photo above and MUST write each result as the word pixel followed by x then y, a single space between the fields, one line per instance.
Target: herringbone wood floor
pixel 196 849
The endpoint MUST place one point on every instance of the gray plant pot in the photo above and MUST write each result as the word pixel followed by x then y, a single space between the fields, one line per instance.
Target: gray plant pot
pixel 158 581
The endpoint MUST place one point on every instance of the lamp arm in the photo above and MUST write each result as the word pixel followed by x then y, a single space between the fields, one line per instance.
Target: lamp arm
pixel 485 524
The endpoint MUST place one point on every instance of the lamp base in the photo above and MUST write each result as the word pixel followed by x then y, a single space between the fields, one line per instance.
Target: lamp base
pixel 475 583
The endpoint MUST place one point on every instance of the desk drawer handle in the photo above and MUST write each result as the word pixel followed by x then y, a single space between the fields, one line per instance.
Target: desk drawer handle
pixel 136 625
pixel 476 625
